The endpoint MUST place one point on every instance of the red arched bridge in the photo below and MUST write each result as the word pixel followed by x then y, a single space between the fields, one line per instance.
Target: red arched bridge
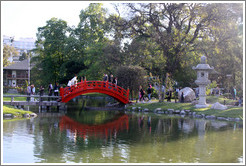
pixel 85 87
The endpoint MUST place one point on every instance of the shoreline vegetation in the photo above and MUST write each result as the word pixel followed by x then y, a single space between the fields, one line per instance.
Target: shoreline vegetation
pixel 233 113
pixel 9 112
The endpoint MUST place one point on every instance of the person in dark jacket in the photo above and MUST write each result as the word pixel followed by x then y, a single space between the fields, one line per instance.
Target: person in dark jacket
pixel 149 92
pixel 105 78
pixel 141 93
pixel 56 89
pixel 182 97
pixel 41 91
pixel 115 81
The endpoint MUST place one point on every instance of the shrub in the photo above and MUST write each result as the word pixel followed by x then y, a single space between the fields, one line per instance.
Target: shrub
pixel 131 77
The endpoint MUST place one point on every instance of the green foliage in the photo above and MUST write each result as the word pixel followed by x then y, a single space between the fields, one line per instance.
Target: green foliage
pixel 15 112
pixel 131 77
pixel 16 98
pixel 91 32
pixel 154 93
pixel 69 69
pixel 222 44
pixel 163 38
pixel 23 56
pixel 51 41
pixel 182 32
pixel 8 51
pixel 233 112
pixel 220 99
pixel 213 84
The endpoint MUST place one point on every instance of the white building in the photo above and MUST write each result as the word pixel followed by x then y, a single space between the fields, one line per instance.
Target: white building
pixel 21 45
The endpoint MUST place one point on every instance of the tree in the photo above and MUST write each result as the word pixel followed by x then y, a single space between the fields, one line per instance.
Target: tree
pixel 223 45
pixel 131 77
pixel 175 28
pixel 162 38
pixel 91 33
pixel 8 51
pixel 23 56
pixel 51 41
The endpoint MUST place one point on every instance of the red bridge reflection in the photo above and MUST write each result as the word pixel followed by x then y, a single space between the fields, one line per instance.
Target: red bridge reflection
pixel 101 130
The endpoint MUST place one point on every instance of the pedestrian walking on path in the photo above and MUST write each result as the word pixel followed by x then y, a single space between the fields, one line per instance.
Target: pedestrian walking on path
pixel 149 92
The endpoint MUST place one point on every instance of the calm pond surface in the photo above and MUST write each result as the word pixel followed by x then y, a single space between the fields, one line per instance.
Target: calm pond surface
pixel 97 136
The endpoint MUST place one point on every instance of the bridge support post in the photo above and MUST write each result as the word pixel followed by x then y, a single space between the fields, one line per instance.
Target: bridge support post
pixel 61 91
pixel 12 99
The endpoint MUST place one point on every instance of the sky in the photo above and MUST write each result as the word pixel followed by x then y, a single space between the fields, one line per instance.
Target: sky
pixel 22 18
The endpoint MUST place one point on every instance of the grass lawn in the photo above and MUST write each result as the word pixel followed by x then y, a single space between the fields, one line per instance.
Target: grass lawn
pixel 220 99
pixel 232 112
pixel 16 112
pixel 15 99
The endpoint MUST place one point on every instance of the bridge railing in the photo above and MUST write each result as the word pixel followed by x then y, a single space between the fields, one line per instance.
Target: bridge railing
pixel 95 85
pixel 33 96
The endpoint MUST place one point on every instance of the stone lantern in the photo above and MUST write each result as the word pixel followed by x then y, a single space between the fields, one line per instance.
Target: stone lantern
pixel 202 80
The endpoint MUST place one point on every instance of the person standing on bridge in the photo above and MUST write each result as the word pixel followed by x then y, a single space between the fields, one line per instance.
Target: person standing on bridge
pixel 105 78
pixel 56 89
pixel 28 90
pixel 69 83
pixel 32 92
pixel 41 91
pixel 111 78
pixel 33 89
pixel 115 81
pixel 74 80
pixel 50 89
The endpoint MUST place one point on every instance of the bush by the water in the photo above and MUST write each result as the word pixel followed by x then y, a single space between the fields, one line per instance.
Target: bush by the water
pixel 15 112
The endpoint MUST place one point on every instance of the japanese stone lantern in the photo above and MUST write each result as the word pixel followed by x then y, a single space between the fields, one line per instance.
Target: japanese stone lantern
pixel 202 80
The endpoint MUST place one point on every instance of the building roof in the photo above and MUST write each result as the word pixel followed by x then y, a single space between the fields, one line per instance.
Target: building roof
pixel 22 65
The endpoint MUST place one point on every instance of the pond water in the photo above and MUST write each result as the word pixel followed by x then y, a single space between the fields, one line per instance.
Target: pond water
pixel 102 136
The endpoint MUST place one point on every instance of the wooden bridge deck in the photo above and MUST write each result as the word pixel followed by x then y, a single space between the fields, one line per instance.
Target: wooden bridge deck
pixel 34 103
pixel 40 102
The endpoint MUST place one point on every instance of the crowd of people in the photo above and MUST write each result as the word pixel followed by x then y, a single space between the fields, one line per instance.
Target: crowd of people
pixel 52 90
pixel 110 78
pixel 142 93
pixel 165 93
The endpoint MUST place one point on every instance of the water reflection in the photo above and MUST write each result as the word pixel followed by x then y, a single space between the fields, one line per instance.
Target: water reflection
pixel 75 128
pixel 116 137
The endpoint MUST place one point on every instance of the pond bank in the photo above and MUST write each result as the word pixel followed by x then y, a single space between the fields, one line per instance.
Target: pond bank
pixel 11 112
pixel 187 109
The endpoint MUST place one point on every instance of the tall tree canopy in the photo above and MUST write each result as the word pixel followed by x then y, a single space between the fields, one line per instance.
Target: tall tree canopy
pixel 91 34
pixel 51 41
pixel 177 33
pixel 159 37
